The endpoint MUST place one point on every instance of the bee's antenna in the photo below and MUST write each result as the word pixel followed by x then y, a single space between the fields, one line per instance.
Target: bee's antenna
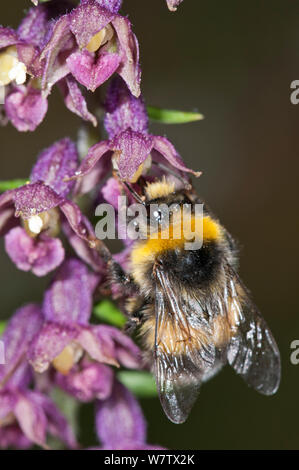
pixel 129 188
pixel 134 194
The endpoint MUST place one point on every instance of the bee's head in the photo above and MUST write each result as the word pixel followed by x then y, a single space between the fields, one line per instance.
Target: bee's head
pixel 159 190
pixel 162 202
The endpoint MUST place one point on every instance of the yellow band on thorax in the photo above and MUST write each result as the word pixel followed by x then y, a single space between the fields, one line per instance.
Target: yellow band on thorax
pixel 175 236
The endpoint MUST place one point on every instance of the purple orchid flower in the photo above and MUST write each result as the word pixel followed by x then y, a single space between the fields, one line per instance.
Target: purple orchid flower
pixel 120 423
pixel 77 350
pixel 173 4
pixel 110 4
pixel 26 415
pixel 130 146
pixel 21 70
pixel 65 333
pixel 76 46
pixel 92 42
pixel 27 254
pixel 25 106
pixel 18 334
pixel 34 245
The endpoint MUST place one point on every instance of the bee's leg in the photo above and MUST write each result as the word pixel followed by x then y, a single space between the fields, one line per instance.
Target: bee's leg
pixel 119 276
pixel 116 274
pixel 131 326
pixel 123 184
pixel 135 310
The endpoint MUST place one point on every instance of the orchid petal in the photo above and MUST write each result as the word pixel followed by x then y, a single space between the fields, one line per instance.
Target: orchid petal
pixel 26 108
pixel 84 251
pixel 49 343
pixel 133 148
pixel 123 110
pixel 8 37
pixel 126 351
pixel 34 198
pixel 57 424
pixel 173 4
pixel 18 334
pixel 88 19
pixel 119 419
pixel 55 164
pixel 129 69
pixel 69 298
pixel 167 150
pixel 60 44
pixel 95 154
pixel 74 100
pixel 34 27
pixel 31 418
pixel 77 221
pixel 39 256
pixel 85 384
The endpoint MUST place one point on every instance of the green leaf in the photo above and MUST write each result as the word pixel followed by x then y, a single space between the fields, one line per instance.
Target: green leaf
pixel 171 116
pixel 2 326
pixel 13 184
pixel 69 407
pixel 107 312
pixel 140 383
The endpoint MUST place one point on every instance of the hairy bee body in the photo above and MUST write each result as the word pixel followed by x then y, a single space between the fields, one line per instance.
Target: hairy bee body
pixel 192 309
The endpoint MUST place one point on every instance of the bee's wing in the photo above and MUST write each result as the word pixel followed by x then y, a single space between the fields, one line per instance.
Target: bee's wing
pixel 252 352
pixel 183 352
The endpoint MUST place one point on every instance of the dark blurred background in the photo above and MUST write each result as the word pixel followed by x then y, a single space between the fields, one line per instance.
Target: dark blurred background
pixel 234 62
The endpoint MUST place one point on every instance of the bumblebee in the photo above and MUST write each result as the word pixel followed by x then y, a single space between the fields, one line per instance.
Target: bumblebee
pixel 192 310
